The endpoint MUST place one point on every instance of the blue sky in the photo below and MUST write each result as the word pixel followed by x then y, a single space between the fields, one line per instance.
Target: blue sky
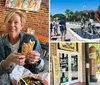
pixel 60 6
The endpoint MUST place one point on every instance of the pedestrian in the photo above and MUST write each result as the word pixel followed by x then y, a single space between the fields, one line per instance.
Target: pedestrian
pixel 63 29
pixel 54 26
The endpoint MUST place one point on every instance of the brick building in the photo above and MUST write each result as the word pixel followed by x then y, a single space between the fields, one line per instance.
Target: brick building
pixel 36 20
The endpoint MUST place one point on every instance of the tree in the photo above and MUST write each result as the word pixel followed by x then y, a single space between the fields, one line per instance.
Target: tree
pixel 92 14
pixel 82 13
pixel 98 8
pixel 69 14
pixel 51 17
pixel 59 16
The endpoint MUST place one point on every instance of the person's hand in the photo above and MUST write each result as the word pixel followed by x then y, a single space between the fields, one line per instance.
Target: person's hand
pixel 16 58
pixel 33 57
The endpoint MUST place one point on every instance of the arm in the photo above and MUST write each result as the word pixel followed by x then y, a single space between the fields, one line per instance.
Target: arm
pixel 2 58
pixel 36 68
pixel 7 59
pixel 41 65
pixel 3 64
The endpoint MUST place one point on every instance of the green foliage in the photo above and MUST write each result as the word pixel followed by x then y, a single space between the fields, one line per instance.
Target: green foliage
pixel 74 16
pixel 59 16
pixel 98 8
pixel 69 15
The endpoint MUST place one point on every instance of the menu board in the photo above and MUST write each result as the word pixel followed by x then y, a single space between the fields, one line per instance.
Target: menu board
pixel 63 61
pixel 30 5
pixel 56 70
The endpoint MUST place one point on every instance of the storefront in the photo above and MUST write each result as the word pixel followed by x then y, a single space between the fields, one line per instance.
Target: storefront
pixel 75 63
pixel 72 71
pixel 70 63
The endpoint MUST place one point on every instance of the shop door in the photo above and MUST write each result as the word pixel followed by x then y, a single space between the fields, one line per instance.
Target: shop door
pixel 70 62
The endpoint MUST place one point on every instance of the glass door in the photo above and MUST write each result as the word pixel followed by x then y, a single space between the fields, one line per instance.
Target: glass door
pixel 69 66
pixel 74 68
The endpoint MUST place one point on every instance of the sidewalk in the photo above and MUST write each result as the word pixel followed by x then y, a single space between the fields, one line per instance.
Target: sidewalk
pixel 55 38
pixel 68 35
pixel 97 83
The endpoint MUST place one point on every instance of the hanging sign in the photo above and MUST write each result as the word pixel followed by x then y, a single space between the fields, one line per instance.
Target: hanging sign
pixel 68 46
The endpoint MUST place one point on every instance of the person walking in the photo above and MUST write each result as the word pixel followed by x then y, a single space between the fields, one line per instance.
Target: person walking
pixel 54 26
pixel 63 29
